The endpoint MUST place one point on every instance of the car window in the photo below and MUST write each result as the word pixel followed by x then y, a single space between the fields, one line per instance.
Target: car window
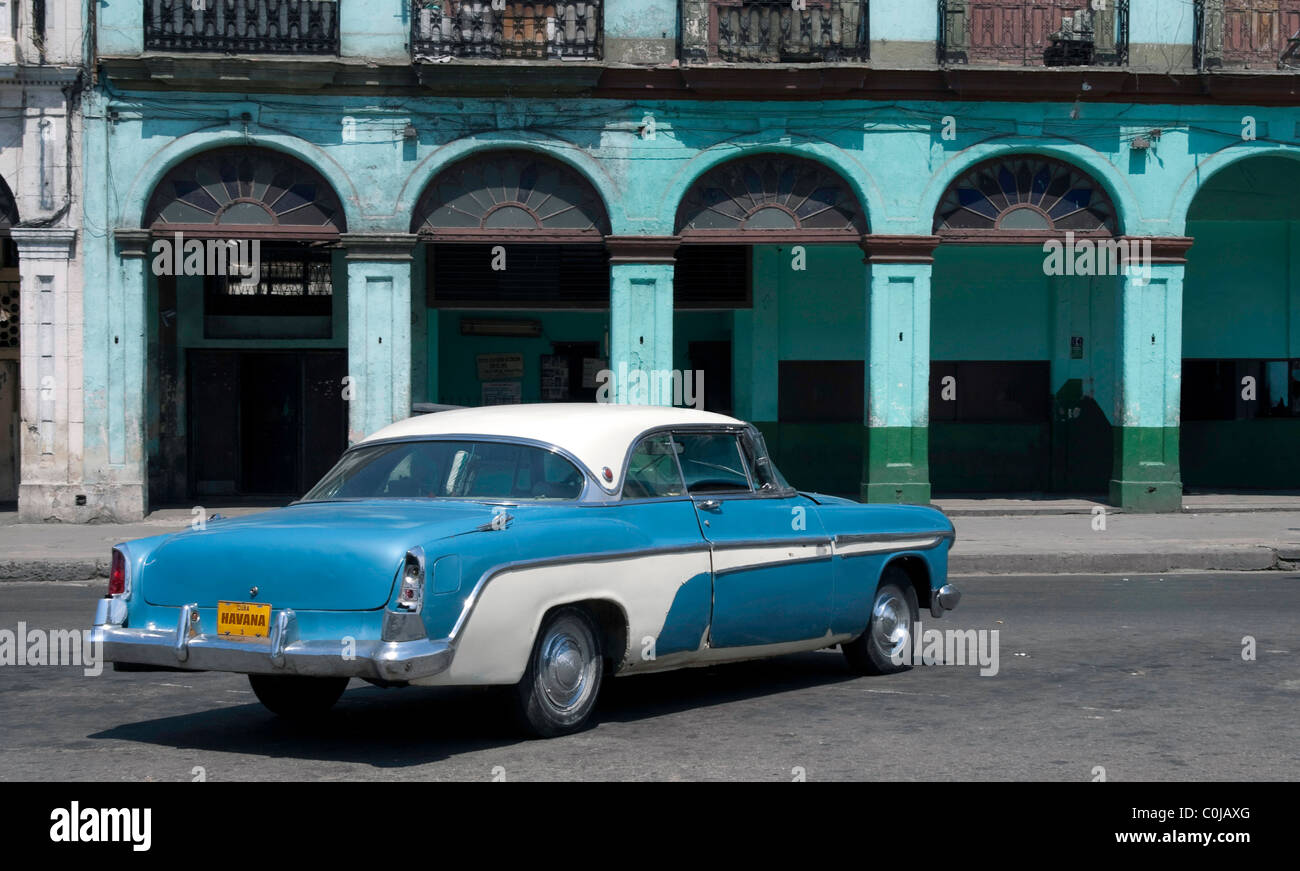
pixel 711 463
pixel 450 469
pixel 767 478
pixel 652 470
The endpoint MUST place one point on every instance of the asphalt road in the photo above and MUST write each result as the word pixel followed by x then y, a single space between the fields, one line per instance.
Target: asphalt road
pixel 1141 676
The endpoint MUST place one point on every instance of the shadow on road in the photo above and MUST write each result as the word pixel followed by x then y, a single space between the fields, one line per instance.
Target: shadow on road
pixel 418 725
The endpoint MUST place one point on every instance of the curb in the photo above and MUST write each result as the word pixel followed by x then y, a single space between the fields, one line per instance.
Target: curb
pixel 53 570
pixel 1248 558
pixel 1242 558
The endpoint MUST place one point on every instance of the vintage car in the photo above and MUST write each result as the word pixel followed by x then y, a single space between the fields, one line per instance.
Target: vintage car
pixel 536 547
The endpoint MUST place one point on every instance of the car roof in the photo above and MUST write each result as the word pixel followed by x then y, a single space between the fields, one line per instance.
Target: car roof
pixel 597 434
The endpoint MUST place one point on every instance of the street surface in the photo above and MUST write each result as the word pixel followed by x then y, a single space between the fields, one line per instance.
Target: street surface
pixel 1142 676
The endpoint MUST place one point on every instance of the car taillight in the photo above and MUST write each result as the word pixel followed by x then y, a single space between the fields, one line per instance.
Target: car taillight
pixel 410 596
pixel 117 574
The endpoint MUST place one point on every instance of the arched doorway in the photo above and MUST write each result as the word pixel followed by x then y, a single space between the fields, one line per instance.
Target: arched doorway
pixel 1241 330
pixel 1022 346
pixel 10 443
pixel 769 291
pixel 247 329
pixel 517 284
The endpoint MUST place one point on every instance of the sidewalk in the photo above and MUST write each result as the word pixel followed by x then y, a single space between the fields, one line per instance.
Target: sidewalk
pixel 1032 542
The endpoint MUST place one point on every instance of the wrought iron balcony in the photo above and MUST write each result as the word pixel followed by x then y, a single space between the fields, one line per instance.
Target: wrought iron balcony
pixel 242 26
pixel 1247 34
pixel 1034 32
pixel 775 31
pixel 557 30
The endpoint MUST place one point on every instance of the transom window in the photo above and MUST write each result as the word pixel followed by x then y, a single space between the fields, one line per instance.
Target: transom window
pixel 1024 195
pixel 776 193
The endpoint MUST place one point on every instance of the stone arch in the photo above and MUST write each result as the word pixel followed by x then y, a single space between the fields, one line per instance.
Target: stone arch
pixel 245 190
pixel 770 195
pixel 1024 197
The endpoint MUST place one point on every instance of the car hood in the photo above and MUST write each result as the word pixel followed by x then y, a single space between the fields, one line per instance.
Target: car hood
pixel 329 556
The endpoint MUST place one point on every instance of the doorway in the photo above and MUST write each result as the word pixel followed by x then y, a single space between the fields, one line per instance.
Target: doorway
pixel 264 423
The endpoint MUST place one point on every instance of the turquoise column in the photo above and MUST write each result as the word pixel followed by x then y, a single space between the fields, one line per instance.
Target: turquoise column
pixel 116 473
pixel 896 446
pixel 379 330
pixel 641 314
pixel 1146 474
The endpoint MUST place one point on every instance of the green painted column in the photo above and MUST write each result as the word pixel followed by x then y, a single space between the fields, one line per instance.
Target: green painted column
pixel 641 314
pixel 379 330
pixel 1145 474
pixel 896 447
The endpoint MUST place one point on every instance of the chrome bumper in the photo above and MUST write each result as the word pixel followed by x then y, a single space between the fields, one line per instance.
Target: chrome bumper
pixel 185 648
pixel 944 599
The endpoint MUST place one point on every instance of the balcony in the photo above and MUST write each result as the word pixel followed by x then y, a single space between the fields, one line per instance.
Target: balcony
pixel 242 26
pixel 444 29
pixel 1033 32
pixel 774 31
pixel 1247 34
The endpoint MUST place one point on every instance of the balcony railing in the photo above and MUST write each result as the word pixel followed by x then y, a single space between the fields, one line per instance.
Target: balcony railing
pixel 1033 32
pixel 242 26
pixel 506 29
pixel 775 31
pixel 1247 34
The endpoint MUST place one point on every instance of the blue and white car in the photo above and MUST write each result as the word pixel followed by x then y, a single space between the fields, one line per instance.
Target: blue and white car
pixel 538 547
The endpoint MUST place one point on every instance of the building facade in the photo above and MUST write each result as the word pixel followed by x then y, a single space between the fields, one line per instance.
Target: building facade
pixel 41 397
pixel 952 246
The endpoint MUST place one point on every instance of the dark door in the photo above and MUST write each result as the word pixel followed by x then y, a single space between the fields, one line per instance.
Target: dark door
pixel 264 423
pixel 714 360
pixel 213 400
pixel 270 401
pixel 577 353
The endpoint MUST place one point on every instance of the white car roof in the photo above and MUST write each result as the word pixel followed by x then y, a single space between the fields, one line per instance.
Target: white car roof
pixel 598 434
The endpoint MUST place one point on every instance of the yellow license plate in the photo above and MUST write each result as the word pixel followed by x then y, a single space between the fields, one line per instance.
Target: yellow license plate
pixel 243 619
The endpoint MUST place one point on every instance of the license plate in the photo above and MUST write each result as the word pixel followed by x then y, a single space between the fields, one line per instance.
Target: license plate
pixel 243 619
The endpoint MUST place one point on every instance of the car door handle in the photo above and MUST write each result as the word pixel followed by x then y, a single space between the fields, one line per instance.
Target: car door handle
pixel 710 504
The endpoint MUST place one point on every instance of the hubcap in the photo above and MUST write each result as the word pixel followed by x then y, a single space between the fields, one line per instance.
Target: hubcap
pixel 891 624
pixel 566 665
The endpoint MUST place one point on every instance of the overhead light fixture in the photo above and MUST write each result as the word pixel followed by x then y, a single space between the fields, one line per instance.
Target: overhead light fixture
pixel 528 329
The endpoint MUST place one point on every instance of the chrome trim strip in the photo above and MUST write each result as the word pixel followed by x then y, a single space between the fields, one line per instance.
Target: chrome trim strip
pixel 869 544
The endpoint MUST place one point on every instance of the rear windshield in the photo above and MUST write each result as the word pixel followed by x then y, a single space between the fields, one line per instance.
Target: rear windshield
pixel 450 470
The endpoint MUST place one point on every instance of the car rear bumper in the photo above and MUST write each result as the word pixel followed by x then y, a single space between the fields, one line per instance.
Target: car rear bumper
pixel 186 647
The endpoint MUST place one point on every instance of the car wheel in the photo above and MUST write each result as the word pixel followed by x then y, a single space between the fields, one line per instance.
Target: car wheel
pixel 559 688
pixel 296 697
pixel 889 631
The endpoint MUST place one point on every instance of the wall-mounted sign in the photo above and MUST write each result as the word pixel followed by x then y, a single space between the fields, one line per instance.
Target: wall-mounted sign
pixel 1076 347
pixel 555 378
pixel 496 367
pixel 502 393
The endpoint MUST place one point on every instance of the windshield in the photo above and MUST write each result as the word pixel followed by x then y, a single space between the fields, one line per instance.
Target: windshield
pixel 450 470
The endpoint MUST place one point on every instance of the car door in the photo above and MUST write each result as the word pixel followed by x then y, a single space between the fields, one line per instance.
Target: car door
pixel 772 574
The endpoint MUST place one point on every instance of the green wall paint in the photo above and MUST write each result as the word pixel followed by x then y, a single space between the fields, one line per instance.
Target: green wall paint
pixel 990 303
pixel 457 375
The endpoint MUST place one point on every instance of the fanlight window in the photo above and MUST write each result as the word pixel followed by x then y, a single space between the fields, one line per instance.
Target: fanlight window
pixel 1025 195
pixel 510 191
pixel 771 193
pixel 246 188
